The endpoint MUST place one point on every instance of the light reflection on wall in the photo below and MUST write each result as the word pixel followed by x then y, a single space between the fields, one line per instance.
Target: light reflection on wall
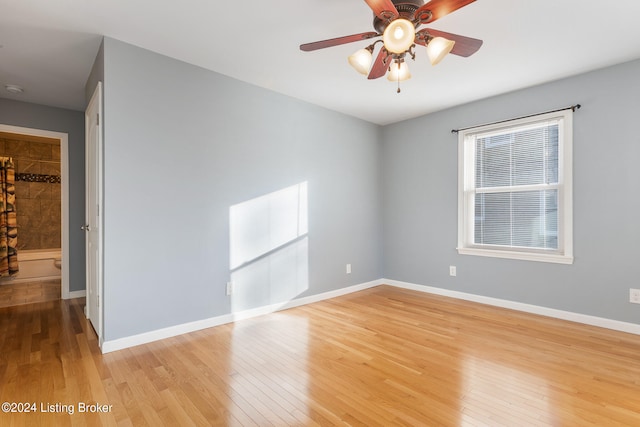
pixel 269 248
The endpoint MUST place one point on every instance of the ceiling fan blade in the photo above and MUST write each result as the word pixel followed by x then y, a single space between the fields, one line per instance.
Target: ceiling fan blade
pixel 381 65
pixel 384 9
pixel 308 47
pixel 436 9
pixel 465 46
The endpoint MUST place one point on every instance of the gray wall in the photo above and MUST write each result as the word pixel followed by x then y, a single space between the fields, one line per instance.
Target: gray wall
pixel 181 146
pixel 420 200
pixel 71 122
pixel 96 75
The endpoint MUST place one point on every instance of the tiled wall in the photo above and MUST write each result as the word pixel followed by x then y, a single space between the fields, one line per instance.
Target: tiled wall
pixel 38 189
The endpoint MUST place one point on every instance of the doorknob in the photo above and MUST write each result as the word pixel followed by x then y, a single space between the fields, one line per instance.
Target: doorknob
pixel 85 228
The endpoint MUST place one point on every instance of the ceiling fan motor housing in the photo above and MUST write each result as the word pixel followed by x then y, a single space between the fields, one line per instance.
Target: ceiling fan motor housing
pixel 406 9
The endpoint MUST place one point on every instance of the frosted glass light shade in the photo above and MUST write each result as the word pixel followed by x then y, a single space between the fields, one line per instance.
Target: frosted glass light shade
pixel 398 72
pixel 361 61
pixel 438 48
pixel 399 36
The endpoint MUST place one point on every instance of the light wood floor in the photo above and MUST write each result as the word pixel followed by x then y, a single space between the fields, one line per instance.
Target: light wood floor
pixel 380 357
pixel 29 292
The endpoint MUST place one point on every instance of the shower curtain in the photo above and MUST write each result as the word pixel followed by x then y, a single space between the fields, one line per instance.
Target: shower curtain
pixel 8 221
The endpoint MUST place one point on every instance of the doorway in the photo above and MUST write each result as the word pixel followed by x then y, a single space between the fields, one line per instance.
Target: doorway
pixel 64 195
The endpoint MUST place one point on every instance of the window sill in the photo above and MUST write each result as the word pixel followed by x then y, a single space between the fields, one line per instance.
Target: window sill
pixel 524 256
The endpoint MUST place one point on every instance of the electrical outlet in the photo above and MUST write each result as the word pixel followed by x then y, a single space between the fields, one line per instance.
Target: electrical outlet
pixel 452 270
pixel 634 296
pixel 229 288
pixel 348 268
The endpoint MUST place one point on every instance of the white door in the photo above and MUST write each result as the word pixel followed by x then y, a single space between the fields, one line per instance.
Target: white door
pixel 93 224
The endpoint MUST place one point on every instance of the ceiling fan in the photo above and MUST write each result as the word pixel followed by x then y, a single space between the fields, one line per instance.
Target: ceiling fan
pixel 397 22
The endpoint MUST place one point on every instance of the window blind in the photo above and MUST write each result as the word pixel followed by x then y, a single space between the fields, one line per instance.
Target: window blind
pixel 516 187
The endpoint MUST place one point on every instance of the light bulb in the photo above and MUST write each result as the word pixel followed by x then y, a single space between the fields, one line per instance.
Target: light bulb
pixel 399 36
pixel 398 72
pixel 361 61
pixel 438 48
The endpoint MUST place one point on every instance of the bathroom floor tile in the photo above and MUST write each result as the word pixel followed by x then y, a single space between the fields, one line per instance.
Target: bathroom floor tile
pixel 29 292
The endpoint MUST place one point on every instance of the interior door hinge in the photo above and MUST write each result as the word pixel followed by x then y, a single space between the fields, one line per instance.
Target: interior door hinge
pixel 97 119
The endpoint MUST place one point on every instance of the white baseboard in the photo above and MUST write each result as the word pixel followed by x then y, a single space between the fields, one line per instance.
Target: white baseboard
pixel 172 331
pixel 586 319
pixel 76 294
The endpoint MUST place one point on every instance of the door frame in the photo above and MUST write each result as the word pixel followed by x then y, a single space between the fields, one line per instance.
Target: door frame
pixel 96 98
pixel 64 200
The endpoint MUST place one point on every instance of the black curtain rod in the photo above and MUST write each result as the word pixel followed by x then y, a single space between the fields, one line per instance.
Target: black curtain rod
pixel 572 108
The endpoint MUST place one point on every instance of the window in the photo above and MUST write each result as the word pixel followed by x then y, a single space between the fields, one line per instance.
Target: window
pixel 514 195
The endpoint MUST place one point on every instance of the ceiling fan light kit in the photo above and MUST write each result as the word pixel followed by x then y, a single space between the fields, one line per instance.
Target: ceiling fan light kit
pixel 398 72
pixel 399 36
pixel 361 60
pixel 397 22
pixel 438 48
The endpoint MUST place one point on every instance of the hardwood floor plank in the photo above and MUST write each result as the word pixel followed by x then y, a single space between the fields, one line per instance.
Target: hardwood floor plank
pixel 380 357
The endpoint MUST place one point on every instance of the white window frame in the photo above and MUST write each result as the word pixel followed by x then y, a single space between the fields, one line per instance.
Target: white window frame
pixel 466 191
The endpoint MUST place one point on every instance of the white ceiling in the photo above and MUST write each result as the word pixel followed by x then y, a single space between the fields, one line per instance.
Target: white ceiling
pixel 48 47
